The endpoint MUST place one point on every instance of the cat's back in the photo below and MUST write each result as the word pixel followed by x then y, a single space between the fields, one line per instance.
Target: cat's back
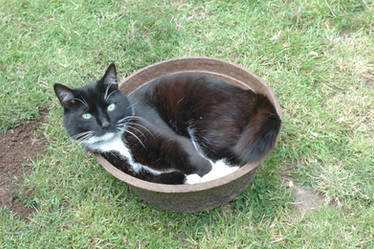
pixel 189 88
pixel 233 123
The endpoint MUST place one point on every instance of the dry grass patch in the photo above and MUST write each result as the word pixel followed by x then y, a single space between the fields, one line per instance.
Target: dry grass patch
pixel 350 52
pixel 354 109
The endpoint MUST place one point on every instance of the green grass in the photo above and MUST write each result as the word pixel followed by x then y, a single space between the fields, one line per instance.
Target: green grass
pixel 318 56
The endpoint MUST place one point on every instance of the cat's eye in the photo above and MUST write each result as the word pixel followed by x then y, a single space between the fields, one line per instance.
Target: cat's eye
pixel 111 107
pixel 86 116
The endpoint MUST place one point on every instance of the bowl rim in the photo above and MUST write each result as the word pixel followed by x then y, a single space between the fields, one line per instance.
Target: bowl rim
pixel 183 188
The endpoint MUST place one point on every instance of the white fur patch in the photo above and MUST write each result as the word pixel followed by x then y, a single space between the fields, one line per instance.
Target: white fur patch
pixel 114 143
pixel 219 169
pixel 192 179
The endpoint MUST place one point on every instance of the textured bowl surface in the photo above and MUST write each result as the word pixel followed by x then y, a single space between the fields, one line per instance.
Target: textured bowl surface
pixel 201 196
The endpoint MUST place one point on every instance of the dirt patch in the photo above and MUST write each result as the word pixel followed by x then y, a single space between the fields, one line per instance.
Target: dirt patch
pixel 305 200
pixel 17 148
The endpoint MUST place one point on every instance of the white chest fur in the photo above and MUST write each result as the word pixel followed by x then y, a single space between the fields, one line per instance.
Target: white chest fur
pixel 115 144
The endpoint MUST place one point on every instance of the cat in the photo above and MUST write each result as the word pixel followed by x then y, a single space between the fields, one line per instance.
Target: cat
pixel 181 128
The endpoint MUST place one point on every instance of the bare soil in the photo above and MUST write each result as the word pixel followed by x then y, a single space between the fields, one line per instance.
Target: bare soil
pixel 17 148
pixel 306 201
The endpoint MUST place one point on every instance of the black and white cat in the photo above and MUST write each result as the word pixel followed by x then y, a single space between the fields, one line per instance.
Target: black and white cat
pixel 179 128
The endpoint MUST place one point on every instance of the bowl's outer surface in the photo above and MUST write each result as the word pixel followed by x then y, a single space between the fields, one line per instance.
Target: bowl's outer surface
pixel 201 196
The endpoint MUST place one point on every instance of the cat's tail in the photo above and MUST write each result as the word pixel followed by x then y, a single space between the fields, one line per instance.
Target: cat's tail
pixel 258 138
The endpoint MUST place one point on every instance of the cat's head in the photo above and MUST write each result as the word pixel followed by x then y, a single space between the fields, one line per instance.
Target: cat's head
pixel 96 111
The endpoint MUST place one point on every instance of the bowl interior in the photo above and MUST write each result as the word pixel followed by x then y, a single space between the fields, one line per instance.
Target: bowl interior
pixel 215 68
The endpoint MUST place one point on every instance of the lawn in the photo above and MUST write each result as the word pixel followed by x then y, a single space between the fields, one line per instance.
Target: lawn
pixel 318 57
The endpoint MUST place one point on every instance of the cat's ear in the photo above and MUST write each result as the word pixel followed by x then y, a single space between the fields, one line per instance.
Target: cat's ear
pixel 110 76
pixel 64 94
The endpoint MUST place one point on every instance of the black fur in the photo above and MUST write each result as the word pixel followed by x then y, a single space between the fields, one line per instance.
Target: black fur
pixel 91 98
pixel 225 121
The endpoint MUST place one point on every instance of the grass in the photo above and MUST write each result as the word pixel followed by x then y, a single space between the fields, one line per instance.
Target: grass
pixel 316 55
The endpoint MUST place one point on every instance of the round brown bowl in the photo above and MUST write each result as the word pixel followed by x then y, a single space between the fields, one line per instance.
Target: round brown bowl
pixel 201 196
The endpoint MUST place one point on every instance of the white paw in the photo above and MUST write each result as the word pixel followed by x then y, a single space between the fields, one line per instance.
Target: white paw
pixel 192 179
pixel 219 169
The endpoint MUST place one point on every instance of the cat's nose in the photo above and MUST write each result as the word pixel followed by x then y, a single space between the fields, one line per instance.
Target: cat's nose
pixel 105 124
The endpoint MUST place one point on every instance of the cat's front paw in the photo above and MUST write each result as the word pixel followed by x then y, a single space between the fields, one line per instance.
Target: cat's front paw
pixel 192 179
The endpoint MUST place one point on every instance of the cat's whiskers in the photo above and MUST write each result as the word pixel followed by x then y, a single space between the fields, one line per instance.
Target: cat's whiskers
pixel 131 127
pixel 142 119
pixel 128 119
pixel 83 136
pixel 125 119
pixel 81 140
pixel 135 136
pixel 139 126
pixel 125 126
pixel 134 117
pixel 142 126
